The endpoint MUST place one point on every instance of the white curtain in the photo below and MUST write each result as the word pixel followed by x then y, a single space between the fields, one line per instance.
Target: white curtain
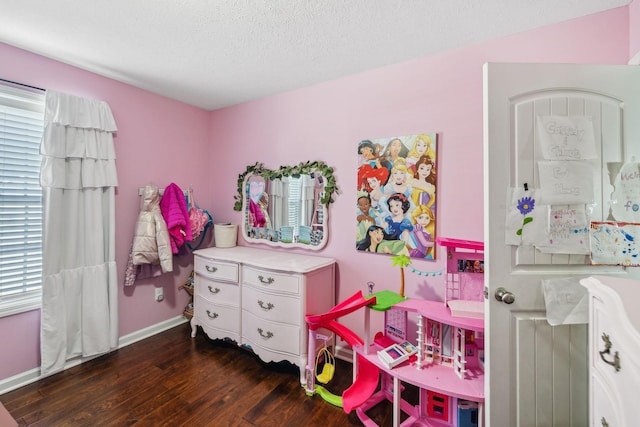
pixel 306 199
pixel 79 283
pixel 279 203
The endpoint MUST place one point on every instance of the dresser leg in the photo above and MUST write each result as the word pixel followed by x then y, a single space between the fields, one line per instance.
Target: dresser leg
pixel 194 327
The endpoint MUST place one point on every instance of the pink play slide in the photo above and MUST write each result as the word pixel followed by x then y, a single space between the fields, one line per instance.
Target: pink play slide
pixel 367 375
pixel 351 304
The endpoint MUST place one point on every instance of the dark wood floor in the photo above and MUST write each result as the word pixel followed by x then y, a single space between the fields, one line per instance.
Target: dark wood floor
pixel 171 379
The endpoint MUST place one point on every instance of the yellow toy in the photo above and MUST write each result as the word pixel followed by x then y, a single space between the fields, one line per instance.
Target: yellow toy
pixel 329 367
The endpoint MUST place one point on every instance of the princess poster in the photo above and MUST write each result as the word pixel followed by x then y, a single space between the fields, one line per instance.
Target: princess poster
pixel 396 195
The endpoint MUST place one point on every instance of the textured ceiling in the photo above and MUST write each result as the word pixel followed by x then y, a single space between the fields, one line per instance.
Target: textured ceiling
pixel 217 53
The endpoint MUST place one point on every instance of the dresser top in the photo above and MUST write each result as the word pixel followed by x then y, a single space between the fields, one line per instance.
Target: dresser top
pixel 267 258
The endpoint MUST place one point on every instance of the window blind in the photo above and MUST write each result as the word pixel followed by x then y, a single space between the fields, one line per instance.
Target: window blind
pixel 295 194
pixel 21 126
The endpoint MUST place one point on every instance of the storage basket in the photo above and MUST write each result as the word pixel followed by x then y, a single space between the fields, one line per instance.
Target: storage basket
pixel 226 235
pixel 188 311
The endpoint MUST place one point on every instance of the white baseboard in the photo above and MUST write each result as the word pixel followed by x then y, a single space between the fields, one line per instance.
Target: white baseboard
pixel 635 60
pixel 151 331
pixel 33 375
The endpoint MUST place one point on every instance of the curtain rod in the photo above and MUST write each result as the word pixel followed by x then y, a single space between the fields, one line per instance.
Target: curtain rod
pixel 22 84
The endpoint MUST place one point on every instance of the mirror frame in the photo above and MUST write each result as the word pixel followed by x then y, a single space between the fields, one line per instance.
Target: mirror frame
pixel 303 168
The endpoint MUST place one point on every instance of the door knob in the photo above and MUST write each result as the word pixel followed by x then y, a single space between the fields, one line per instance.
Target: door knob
pixel 504 296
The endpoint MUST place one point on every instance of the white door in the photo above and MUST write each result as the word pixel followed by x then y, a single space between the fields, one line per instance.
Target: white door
pixel 537 374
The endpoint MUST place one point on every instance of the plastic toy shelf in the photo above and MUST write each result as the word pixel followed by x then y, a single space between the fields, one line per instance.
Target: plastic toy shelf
pixel 437 311
pixel 434 377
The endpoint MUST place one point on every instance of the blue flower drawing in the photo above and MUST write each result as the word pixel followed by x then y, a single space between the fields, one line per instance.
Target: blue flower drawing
pixel 525 206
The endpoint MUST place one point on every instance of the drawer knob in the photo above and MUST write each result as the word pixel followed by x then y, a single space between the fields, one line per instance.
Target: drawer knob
pixel 211 269
pixel 264 335
pixel 267 281
pixel 212 315
pixel 607 350
pixel 268 306
pixel 214 290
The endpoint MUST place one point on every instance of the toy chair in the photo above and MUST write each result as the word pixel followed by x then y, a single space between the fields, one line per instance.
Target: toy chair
pixel 328 368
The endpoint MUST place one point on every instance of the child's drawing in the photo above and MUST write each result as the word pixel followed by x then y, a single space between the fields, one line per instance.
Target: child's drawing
pixel 625 199
pixel 565 182
pixel 566 232
pixel 566 137
pixel 614 243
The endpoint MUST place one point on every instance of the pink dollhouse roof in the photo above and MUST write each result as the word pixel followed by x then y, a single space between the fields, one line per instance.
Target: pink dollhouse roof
pixel 458 243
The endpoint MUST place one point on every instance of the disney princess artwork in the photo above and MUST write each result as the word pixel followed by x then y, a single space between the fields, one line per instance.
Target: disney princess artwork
pixel 396 196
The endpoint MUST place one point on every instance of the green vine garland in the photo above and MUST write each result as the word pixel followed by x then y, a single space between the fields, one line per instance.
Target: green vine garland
pixel 303 168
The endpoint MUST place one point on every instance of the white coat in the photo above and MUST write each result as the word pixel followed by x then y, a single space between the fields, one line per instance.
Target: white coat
pixel 151 244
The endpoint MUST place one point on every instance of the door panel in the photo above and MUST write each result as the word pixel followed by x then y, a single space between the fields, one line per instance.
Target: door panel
pixel 551 368
pixel 534 368
pixel 607 116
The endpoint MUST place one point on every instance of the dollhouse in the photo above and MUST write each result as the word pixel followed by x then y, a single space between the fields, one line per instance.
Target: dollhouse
pixel 447 366
pixel 464 293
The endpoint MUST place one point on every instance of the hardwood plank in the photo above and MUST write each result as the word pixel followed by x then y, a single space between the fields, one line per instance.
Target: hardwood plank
pixel 171 379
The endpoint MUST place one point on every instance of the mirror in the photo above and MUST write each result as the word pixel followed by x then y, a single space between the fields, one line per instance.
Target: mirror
pixel 286 207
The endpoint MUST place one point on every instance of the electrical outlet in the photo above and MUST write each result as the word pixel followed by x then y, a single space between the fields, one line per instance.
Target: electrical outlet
pixel 159 294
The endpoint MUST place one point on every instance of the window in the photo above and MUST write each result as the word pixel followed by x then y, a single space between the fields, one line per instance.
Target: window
pixel 295 194
pixel 21 126
pixel 301 201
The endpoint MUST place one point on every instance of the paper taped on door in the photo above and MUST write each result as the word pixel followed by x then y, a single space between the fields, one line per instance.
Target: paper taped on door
pixel 566 300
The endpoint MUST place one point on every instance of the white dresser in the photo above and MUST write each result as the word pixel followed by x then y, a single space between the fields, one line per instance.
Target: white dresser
pixel 614 351
pixel 259 297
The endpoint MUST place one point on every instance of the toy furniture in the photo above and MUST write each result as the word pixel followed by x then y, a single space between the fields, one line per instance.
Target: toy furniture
pixel 447 367
pixel 365 373
pixel 188 288
pixel 329 364
pixel 614 345
pixel 437 405
pixel 444 391
pixel 441 371
pixel 258 299
pixel 464 292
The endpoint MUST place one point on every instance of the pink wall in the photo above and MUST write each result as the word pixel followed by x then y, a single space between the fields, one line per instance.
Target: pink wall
pixel 159 140
pixel 634 28
pixel 441 93
pixel 163 141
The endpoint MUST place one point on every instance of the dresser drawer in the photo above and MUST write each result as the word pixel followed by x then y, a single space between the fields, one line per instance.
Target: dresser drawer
pixel 217 292
pixel 276 307
pixel 271 280
pixel 217 316
pixel 258 298
pixel 605 405
pixel 216 270
pixel 615 361
pixel 271 335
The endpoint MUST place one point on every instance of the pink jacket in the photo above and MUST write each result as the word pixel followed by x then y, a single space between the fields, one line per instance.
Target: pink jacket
pixel 173 206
